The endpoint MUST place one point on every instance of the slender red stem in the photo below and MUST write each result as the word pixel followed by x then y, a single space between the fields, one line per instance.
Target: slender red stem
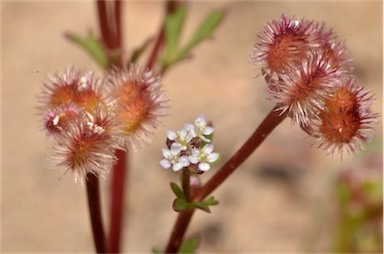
pixel 185 179
pixel 178 232
pixel 117 9
pixel 93 195
pixel 119 180
pixel 155 51
pixel 169 8
pixel 103 21
pixel 109 13
pixel 273 119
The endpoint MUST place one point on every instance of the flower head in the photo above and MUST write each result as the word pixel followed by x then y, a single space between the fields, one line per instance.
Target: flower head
pixel 182 137
pixel 203 157
pixel 284 43
pixel 302 91
pixel 174 158
pixel 335 51
pixel 84 149
pixel 138 101
pixel 58 119
pixel 190 147
pixel 346 121
pixel 73 86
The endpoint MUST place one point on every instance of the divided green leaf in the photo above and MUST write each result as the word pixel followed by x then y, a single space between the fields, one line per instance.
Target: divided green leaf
pixel 139 51
pixel 204 31
pixel 91 46
pixel 173 27
pixel 177 190
pixel 190 245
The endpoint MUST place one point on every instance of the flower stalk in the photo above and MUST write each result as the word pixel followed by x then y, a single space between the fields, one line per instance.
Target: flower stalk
pixel 93 195
pixel 170 7
pixel 273 119
pixel 119 180
pixel 111 34
pixel 186 174
pixel 111 31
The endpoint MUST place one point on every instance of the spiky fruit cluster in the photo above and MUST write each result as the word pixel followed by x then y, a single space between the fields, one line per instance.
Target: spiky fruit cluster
pixel 309 75
pixel 89 117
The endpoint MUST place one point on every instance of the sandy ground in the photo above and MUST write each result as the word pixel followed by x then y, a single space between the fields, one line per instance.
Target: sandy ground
pixel 258 213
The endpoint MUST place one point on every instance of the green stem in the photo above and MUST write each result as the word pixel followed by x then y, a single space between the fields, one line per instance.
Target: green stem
pixel 93 195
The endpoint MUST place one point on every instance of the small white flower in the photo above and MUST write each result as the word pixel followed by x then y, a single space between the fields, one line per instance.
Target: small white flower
pixel 203 157
pixel 202 129
pixel 173 158
pixel 182 137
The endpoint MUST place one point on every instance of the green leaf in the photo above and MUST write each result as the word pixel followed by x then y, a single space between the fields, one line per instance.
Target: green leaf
pixel 211 201
pixel 156 251
pixel 174 23
pixel 177 190
pixel 204 205
pixel 139 51
pixel 190 245
pixel 91 46
pixel 201 206
pixel 180 204
pixel 204 31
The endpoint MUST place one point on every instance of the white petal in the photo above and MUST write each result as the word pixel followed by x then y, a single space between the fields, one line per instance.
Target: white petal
pixel 203 166
pixel 177 166
pixel 205 139
pixel 189 127
pixel 207 149
pixel 212 157
pixel 191 134
pixel 208 130
pixel 171 135
pixel 195 152
pixel 193 159
pixel 176 149
pixel 182 133
pixel 165 163
pixel 166 153
pixel 183 160
pixel 200 121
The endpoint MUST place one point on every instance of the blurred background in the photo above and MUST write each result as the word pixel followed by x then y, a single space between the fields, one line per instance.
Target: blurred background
pixel 288 196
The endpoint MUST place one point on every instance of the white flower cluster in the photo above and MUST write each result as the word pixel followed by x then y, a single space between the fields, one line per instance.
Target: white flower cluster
pixel 190 146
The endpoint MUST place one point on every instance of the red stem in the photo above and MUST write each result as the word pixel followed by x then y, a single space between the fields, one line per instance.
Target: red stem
pixel 155 51
pixel 117 201
pixel 109 13
pixel 103 21
pixel 117 9
pixel 111 31
pixel 93 195
pixel 169 8
pixel 273 119
pixel 179 230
